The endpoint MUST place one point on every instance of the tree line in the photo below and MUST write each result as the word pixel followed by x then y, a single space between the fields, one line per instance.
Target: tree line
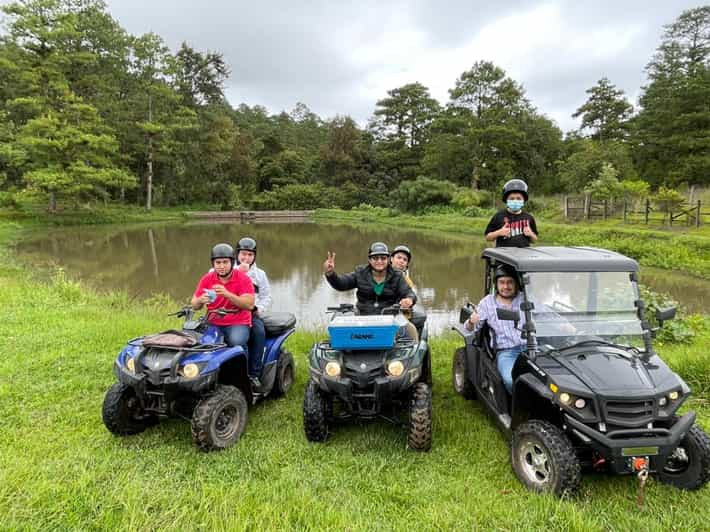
pixel 89 112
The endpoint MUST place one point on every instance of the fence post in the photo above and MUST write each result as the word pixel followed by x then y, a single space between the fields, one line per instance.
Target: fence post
pixel 697 217
pixel 566 206
pixel 605 209
pixel 587 206
pixel 624 210
pixel 648 209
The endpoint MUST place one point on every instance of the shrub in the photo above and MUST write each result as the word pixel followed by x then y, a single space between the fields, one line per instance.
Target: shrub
pixel 299 197
pixel 423 192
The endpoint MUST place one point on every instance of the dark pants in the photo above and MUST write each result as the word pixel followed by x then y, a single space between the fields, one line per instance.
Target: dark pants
pixel 257 339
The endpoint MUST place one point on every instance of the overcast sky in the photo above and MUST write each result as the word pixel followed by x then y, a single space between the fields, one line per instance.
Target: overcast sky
pixel 340 58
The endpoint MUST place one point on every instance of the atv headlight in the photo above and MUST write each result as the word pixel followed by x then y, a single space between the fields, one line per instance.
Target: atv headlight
pixel 395 368
pixel 131 365
pixel 332 369
pixel 190 371
pixel 565 398
pixel 673 396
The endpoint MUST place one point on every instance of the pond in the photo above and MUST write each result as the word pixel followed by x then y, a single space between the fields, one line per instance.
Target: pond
pixel 169 259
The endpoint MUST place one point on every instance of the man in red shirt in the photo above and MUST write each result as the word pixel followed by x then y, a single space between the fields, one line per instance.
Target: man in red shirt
pixel 226 288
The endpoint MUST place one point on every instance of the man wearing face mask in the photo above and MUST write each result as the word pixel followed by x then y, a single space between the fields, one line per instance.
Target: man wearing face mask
pixel 511 227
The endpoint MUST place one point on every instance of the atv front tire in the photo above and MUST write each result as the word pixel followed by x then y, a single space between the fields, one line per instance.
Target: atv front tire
pixel 122 413
pixel 543 458
pixel 688 467
pixel 219 419
pixel 420 422
pixel 285 374
pixel 459 375
pixel 315 409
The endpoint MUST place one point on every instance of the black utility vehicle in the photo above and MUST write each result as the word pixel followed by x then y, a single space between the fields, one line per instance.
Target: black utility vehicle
pixel 588 389
pixel 371 366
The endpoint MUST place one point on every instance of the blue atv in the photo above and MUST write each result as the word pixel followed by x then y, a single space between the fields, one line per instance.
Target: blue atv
pixel 193 374
pixel 371 366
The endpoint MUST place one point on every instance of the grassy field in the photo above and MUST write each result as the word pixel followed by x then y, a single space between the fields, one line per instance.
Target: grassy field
pixel 61 469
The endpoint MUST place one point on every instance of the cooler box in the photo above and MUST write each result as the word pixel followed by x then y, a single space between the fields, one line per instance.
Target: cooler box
pixel 363 332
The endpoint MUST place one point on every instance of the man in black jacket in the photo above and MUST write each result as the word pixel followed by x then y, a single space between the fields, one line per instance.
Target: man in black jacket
pixel 378 284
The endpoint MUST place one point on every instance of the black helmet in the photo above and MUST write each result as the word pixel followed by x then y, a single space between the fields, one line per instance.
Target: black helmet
pixel 402 249
pixel 503 270
pixel 515 185
pixel 222 251
pixel 378 248
pixel 247 243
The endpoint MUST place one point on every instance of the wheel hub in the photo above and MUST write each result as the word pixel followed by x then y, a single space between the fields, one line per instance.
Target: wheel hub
pixel 535 462
pixel 226 422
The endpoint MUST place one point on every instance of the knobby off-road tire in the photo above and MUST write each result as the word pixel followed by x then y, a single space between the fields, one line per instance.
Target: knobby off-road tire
pixel 544 460
pixel 285 374
pixel 459 375
pixel 420 423
pixel 688 467
pixel 219 419
pixel 315 413
pixel 122 413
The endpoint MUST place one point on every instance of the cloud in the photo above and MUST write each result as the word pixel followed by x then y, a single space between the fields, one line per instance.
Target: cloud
pixel 340 58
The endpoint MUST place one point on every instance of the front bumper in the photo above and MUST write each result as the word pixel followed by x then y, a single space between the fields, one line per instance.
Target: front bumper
pixel 168 386
pixel 367 401
pixel 618 446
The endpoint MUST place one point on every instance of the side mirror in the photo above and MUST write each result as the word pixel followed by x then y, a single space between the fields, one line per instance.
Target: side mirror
pixel 508 315
pixel 465 312
pixel 665 315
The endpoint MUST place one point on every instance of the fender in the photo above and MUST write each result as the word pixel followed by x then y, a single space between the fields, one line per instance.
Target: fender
pixel 273 346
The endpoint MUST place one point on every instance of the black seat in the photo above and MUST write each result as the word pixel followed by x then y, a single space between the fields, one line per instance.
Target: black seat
pixel 277 323
pixel 418 317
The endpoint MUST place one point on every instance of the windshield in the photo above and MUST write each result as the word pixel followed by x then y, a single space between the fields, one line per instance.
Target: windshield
pixel 583 304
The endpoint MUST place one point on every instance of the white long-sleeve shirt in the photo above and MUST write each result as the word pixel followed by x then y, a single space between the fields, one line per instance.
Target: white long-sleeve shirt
pixel 261 287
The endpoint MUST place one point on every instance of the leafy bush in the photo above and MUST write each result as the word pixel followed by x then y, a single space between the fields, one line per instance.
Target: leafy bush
pixel 423 192
pixel 299 197
pixel 668 199
pixel 682 329
pixel 465 198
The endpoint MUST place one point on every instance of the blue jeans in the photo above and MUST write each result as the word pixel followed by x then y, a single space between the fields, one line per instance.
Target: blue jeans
pixel 257 340
pixel 235 335
pixel 505 361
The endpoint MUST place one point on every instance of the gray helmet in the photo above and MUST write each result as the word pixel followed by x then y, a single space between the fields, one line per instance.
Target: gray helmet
pixel 503 270
pixel 222 251
pixel 378 248
pixel 247 244
pixel 402 249
pixel 515 185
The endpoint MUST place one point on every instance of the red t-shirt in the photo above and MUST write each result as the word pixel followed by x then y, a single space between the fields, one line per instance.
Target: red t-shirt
pixel 239 284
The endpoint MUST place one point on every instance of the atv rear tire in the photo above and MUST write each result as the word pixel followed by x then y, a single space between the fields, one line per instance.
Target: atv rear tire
pixel 543 458
pixel 285 374
pixel 688 467
pixel 459 375
pixel 420 422
pixel 122 413
pixel 315 413
pixel 219 419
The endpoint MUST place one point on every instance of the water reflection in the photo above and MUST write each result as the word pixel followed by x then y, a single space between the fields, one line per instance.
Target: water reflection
pixel 171 258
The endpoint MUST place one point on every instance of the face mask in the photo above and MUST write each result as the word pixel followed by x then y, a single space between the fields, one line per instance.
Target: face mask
pixel 515 204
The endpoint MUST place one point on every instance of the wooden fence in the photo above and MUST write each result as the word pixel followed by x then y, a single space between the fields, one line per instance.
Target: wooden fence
pixel 587 208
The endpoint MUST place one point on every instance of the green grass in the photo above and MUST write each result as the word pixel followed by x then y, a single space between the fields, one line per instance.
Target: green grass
pixel 686 251
pixel 61 469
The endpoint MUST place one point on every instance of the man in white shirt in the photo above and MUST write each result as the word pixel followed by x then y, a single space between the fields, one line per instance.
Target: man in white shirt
pixel 246 262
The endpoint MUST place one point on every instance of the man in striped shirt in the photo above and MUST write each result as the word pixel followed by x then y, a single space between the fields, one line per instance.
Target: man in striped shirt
pixel 506 339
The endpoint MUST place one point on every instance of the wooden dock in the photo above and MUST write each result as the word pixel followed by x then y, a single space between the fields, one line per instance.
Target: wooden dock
pixel 251 216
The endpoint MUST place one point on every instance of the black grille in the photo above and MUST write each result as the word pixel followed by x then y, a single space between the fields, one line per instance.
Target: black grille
pixel 363 377
pixel 629 413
